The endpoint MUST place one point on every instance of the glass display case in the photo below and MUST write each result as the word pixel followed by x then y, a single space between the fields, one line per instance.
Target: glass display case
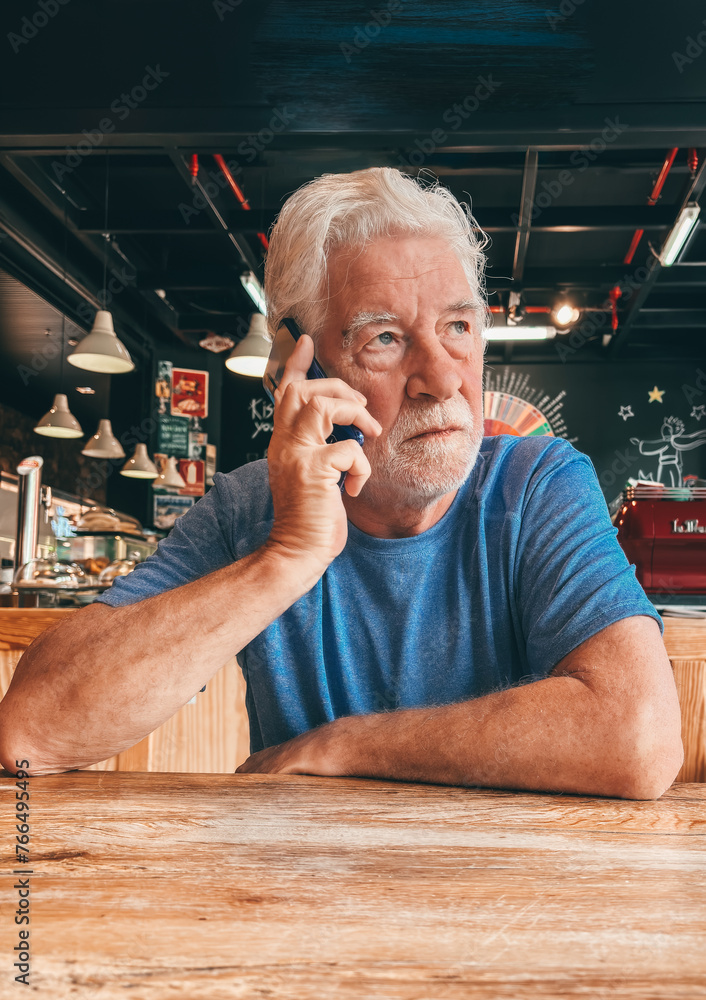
pixel 81 548
pixel 105 543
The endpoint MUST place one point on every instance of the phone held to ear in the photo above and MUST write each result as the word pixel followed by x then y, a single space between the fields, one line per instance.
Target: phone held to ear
pixel 282 347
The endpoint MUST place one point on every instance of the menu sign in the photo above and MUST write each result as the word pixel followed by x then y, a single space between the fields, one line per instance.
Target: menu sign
pixel 189 393
pixel 173 435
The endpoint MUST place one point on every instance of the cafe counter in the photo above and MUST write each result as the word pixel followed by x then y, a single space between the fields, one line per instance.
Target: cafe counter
pixel 211 733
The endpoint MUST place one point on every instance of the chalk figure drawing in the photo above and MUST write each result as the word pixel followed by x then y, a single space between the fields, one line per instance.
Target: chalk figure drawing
pixel 669 447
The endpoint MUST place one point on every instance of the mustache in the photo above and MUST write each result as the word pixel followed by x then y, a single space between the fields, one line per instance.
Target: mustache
pixel 421 418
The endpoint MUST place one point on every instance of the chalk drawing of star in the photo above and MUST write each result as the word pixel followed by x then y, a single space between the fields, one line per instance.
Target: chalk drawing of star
pixel 656 395
pixel 699 411
pixel 625 412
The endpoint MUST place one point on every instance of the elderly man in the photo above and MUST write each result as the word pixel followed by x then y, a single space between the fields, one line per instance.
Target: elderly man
pixel 460 614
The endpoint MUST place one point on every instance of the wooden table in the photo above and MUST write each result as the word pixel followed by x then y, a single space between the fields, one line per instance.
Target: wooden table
pixel 239 886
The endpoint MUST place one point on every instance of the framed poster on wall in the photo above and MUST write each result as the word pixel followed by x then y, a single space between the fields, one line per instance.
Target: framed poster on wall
pixel 189 393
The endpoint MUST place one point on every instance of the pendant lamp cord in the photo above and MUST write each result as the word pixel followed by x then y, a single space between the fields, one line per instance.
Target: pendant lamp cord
pixel 63 311
pixel 105 227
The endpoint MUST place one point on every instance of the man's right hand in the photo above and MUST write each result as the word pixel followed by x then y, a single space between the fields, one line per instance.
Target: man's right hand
pixel 310 519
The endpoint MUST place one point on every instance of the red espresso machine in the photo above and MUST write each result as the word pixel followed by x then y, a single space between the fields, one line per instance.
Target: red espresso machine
pixel 662 530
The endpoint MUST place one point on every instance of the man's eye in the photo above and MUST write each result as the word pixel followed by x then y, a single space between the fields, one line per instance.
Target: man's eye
pixel 386 339
pixel 459 326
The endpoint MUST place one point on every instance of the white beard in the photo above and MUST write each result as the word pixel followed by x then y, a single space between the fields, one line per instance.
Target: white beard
pixel 418 472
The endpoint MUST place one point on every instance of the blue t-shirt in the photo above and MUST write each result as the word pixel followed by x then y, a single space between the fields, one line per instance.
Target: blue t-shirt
pixel 522 568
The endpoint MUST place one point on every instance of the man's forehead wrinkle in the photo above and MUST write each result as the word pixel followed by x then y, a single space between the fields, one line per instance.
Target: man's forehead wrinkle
pixel 385 278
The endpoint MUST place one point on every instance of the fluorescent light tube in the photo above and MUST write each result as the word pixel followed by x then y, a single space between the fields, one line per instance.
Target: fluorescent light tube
pixel 255 290
pixel 679 234
pixel 520 333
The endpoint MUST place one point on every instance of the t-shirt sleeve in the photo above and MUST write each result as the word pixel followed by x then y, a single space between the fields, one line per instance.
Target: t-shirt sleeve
pixel 572 577
pixel 199 543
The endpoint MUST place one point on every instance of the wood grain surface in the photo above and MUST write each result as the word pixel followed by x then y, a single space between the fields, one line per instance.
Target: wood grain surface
pixel 211 886
pixel 19 627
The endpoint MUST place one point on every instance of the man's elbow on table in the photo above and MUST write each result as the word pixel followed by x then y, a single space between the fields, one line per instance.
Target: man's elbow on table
pixel 656 756
pixel 16 753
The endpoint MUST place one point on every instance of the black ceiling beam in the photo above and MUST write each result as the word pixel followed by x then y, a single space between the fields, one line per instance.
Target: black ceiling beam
pixel 600 278
pixel 578 219
pixel 492 220
pixel 666 301
pixel 191 279
pixel 692 193
pixel 135 222
pixel 682 276
pixel 529 183
pixel 664 319
pixel 202 130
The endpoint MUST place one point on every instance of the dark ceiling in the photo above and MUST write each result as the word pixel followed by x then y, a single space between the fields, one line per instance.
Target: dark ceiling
pixel 554 120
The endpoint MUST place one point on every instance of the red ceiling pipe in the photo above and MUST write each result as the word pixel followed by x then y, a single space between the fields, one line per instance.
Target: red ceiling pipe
pixel 232 182
pixel 527 309
pixel 652 200
pixel 662 176
pixel 238 193
pixel 636 237
pixel 194 167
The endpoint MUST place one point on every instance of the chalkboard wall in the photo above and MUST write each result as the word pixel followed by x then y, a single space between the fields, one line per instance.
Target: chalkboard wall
pixel 641 420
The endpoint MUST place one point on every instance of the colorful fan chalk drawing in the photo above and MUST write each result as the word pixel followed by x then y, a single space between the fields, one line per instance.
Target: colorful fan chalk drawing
pixel 512 406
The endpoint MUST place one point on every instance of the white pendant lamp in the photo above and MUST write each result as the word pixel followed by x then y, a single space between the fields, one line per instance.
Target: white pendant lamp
pixel 101 351
pixel 249 357
pixel 170 478
pixel 140 466
pixel 59 421
pixel 104 443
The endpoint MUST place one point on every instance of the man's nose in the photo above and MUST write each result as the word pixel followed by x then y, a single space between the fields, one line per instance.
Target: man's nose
pixel 432 371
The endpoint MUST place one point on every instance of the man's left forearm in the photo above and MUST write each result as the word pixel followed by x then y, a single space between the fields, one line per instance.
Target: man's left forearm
pixel 605 722
pixel 552 735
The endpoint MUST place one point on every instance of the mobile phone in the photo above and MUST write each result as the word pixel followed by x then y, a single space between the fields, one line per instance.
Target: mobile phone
pixel 282 347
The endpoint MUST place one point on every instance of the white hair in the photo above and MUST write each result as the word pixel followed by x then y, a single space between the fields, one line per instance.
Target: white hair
pixel 351 210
